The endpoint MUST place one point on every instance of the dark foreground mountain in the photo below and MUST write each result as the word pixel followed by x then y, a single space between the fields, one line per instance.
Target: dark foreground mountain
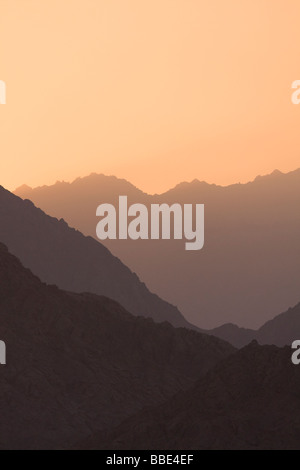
pixel 248 270
pixel 62 256
pixel 280 331
pixel 249 401
pixel 78 363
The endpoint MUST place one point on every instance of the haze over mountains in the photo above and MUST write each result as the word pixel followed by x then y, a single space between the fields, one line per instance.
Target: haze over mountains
pixel 62 256
pixel 79 363
pixel 248 401
pixel 248 271
pixel 83 372
pixel 280 331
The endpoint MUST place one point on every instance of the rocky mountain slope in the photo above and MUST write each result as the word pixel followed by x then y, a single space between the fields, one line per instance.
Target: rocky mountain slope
pixel 248 271
pixel 60 255
pixel 280 331
pixel 248 401
pixel 79 363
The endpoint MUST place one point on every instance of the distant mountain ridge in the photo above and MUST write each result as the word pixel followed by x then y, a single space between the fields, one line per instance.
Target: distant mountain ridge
pixel 280 331
pixel 248 270
pixel 25 188
pixel 60 255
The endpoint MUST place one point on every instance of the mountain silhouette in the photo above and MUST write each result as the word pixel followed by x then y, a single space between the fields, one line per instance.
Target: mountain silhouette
pixel 248 270
pixel 60 255
pixel 239 337
pixel 282 330
pixel 249 401
pixel 79 363
pixel 279 331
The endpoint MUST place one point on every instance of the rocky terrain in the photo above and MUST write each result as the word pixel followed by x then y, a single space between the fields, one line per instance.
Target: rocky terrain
pixel 60 255
pixel 248 270
pixel 249 401
pixel 79 363
pixel 280 331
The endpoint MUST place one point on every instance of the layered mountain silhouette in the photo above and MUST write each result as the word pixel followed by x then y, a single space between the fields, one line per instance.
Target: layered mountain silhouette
pixel 280 331
pixel 248 270
pixel 239 337
pixel 79 363
pixel 60 255
pixel 248 401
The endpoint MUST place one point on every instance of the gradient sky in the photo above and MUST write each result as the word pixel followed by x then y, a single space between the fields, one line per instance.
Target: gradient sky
pixel 154 91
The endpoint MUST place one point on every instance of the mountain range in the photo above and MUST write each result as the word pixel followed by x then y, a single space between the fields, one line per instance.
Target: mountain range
pixel 82 372
pixel 80 363
pixel 280 331
pixel 248 270
pixel 60 255
pixel 248 401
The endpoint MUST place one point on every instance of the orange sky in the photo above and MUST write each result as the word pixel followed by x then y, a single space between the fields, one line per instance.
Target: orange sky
pixel 155 91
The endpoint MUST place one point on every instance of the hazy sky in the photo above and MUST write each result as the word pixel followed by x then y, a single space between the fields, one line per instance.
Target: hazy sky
pixel 155 91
